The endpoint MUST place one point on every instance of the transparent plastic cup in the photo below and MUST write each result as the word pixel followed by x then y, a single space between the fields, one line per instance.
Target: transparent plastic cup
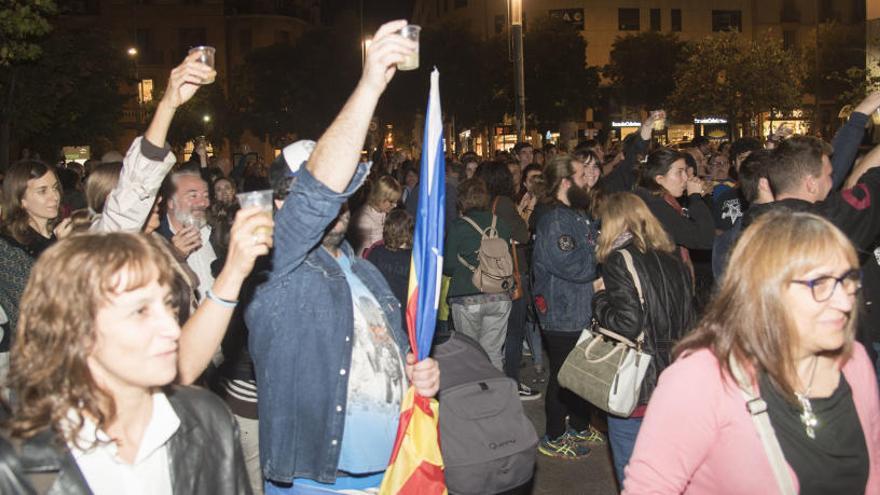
pixel 206 56
pixel 263 199
pixel 411 62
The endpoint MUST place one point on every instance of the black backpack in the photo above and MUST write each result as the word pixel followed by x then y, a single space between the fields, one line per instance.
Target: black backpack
pixel 487 442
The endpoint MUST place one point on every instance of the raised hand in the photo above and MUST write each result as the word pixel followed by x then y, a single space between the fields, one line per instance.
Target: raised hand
pixel 251 237
pixel 187 240
pixel 186 79
pixel 387 49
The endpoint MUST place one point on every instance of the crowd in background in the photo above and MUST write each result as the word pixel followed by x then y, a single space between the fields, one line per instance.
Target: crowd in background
pixel 751 263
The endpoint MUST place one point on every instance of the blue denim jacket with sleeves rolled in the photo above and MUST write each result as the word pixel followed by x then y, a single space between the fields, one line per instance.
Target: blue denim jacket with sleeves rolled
pixel 301 335
pixel 564 267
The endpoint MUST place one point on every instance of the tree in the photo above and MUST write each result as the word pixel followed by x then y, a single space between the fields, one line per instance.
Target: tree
pixel 297 89
pixel 559 84
pixel 23 23
pixel 642 68
pixel 69 95
pixel 839 73
pixel 726 75
pixel 475 80
pixel 190 120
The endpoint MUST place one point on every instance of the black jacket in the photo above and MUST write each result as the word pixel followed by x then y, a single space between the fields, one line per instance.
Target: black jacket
pixel 669 313
pixel 204 453
pixel 694 231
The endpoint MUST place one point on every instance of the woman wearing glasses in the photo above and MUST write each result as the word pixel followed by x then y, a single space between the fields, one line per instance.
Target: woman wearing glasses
pixel 773 358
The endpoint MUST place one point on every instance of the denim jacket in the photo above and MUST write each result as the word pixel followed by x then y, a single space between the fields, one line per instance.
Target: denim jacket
pixel 301 327
pixel 564 267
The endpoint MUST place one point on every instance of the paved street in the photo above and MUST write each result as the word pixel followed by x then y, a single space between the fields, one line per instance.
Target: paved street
pixel 593 475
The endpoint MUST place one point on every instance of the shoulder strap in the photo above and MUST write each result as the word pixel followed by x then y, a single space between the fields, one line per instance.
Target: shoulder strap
pixel 474 224
pixel 758 410
pixel 628 259
pixel 495 204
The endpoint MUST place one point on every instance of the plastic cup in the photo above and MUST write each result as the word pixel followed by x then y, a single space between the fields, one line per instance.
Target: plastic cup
pixel 660 124
pixel 263 199
pixel 411 62
pixel 206 56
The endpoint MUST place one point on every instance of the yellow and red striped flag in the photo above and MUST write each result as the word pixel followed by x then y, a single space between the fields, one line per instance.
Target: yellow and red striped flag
pixel 416 466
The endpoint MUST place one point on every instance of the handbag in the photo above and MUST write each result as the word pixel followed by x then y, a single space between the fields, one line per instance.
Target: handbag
pixel 605 368
pixel 758 411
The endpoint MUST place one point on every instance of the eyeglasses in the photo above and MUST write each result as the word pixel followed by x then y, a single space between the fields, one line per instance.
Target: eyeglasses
pixel 823 287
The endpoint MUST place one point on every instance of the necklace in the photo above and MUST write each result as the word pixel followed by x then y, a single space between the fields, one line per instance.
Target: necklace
pixel 808 418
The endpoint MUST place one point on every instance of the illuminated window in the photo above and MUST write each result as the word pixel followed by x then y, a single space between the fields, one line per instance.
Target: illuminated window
pixel 145 91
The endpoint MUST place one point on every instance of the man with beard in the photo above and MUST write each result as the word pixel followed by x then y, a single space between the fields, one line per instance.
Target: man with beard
pixel 186 226
pixel 564 267
pixel 325 331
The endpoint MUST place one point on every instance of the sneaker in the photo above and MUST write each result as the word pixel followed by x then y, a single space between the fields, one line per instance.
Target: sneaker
pixel 563 448
pixel 590 435
pixel 528 393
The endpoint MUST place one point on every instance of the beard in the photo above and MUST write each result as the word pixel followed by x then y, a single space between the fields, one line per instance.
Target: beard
pixel 578 197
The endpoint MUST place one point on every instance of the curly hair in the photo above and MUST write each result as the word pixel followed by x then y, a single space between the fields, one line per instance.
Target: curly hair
pixel 69 284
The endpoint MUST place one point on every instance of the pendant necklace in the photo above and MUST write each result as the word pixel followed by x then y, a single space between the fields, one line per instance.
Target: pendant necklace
pixel 808 418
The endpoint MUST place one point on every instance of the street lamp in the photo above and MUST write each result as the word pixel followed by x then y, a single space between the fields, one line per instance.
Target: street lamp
pixel 516 31
pixel 132 52
pixel 206 119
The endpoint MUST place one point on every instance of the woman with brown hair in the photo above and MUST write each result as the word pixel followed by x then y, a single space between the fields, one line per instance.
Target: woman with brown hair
pixel 31 202
pixel 774 358
pixel 664 282
pixel 97 349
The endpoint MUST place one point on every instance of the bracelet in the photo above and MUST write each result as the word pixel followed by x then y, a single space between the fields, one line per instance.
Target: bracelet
pixel 226 303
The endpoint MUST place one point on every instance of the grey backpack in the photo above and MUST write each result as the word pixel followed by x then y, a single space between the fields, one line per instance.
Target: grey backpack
pixel 487 442
pixel 494 271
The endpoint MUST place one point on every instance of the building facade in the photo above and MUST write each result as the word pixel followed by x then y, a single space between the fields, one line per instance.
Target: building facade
pixel 601 22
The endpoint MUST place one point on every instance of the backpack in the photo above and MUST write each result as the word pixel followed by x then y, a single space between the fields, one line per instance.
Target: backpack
pixel 495 271
pixel 487 442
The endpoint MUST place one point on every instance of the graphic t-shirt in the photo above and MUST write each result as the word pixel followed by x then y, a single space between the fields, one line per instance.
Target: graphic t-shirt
pixel 376 384
pixel 727 206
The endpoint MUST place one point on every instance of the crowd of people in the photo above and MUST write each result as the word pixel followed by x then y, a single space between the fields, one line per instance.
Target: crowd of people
pixel 158 337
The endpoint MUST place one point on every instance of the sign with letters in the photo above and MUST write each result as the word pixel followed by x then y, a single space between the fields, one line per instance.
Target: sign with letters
pixel 572 17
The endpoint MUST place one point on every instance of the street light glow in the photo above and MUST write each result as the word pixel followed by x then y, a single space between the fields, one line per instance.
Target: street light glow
pixel 206 118
pixel 516 12
pixel 132 51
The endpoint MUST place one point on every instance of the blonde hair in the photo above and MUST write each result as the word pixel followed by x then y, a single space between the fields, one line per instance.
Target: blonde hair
pixel 384 188
pixel 100 183
pixel 625 212
pixel 748 317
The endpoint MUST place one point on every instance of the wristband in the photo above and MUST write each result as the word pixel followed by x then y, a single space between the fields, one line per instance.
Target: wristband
pixel 226 303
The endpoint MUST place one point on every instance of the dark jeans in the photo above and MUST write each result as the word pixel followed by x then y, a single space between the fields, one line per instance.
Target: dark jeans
pixel 622 433
pixel 513 343
pixel 560 402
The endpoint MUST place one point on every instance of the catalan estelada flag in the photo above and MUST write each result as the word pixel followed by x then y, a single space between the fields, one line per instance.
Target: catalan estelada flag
pixel 416 466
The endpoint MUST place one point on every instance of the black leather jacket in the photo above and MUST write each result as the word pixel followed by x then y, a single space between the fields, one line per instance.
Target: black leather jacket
pixel 667 287
pixel 204 454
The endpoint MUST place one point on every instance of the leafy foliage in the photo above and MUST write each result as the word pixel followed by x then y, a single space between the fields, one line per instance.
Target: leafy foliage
pixel 559 84
pixel 729 76
pixel 69 95
pixel 642 68
pixel 22 24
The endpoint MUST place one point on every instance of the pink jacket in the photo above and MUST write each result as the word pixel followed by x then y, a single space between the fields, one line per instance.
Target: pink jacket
pixel 698 438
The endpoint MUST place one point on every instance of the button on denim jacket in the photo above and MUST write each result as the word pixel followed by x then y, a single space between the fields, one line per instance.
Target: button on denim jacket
pixel 564 267
pixel 301 326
